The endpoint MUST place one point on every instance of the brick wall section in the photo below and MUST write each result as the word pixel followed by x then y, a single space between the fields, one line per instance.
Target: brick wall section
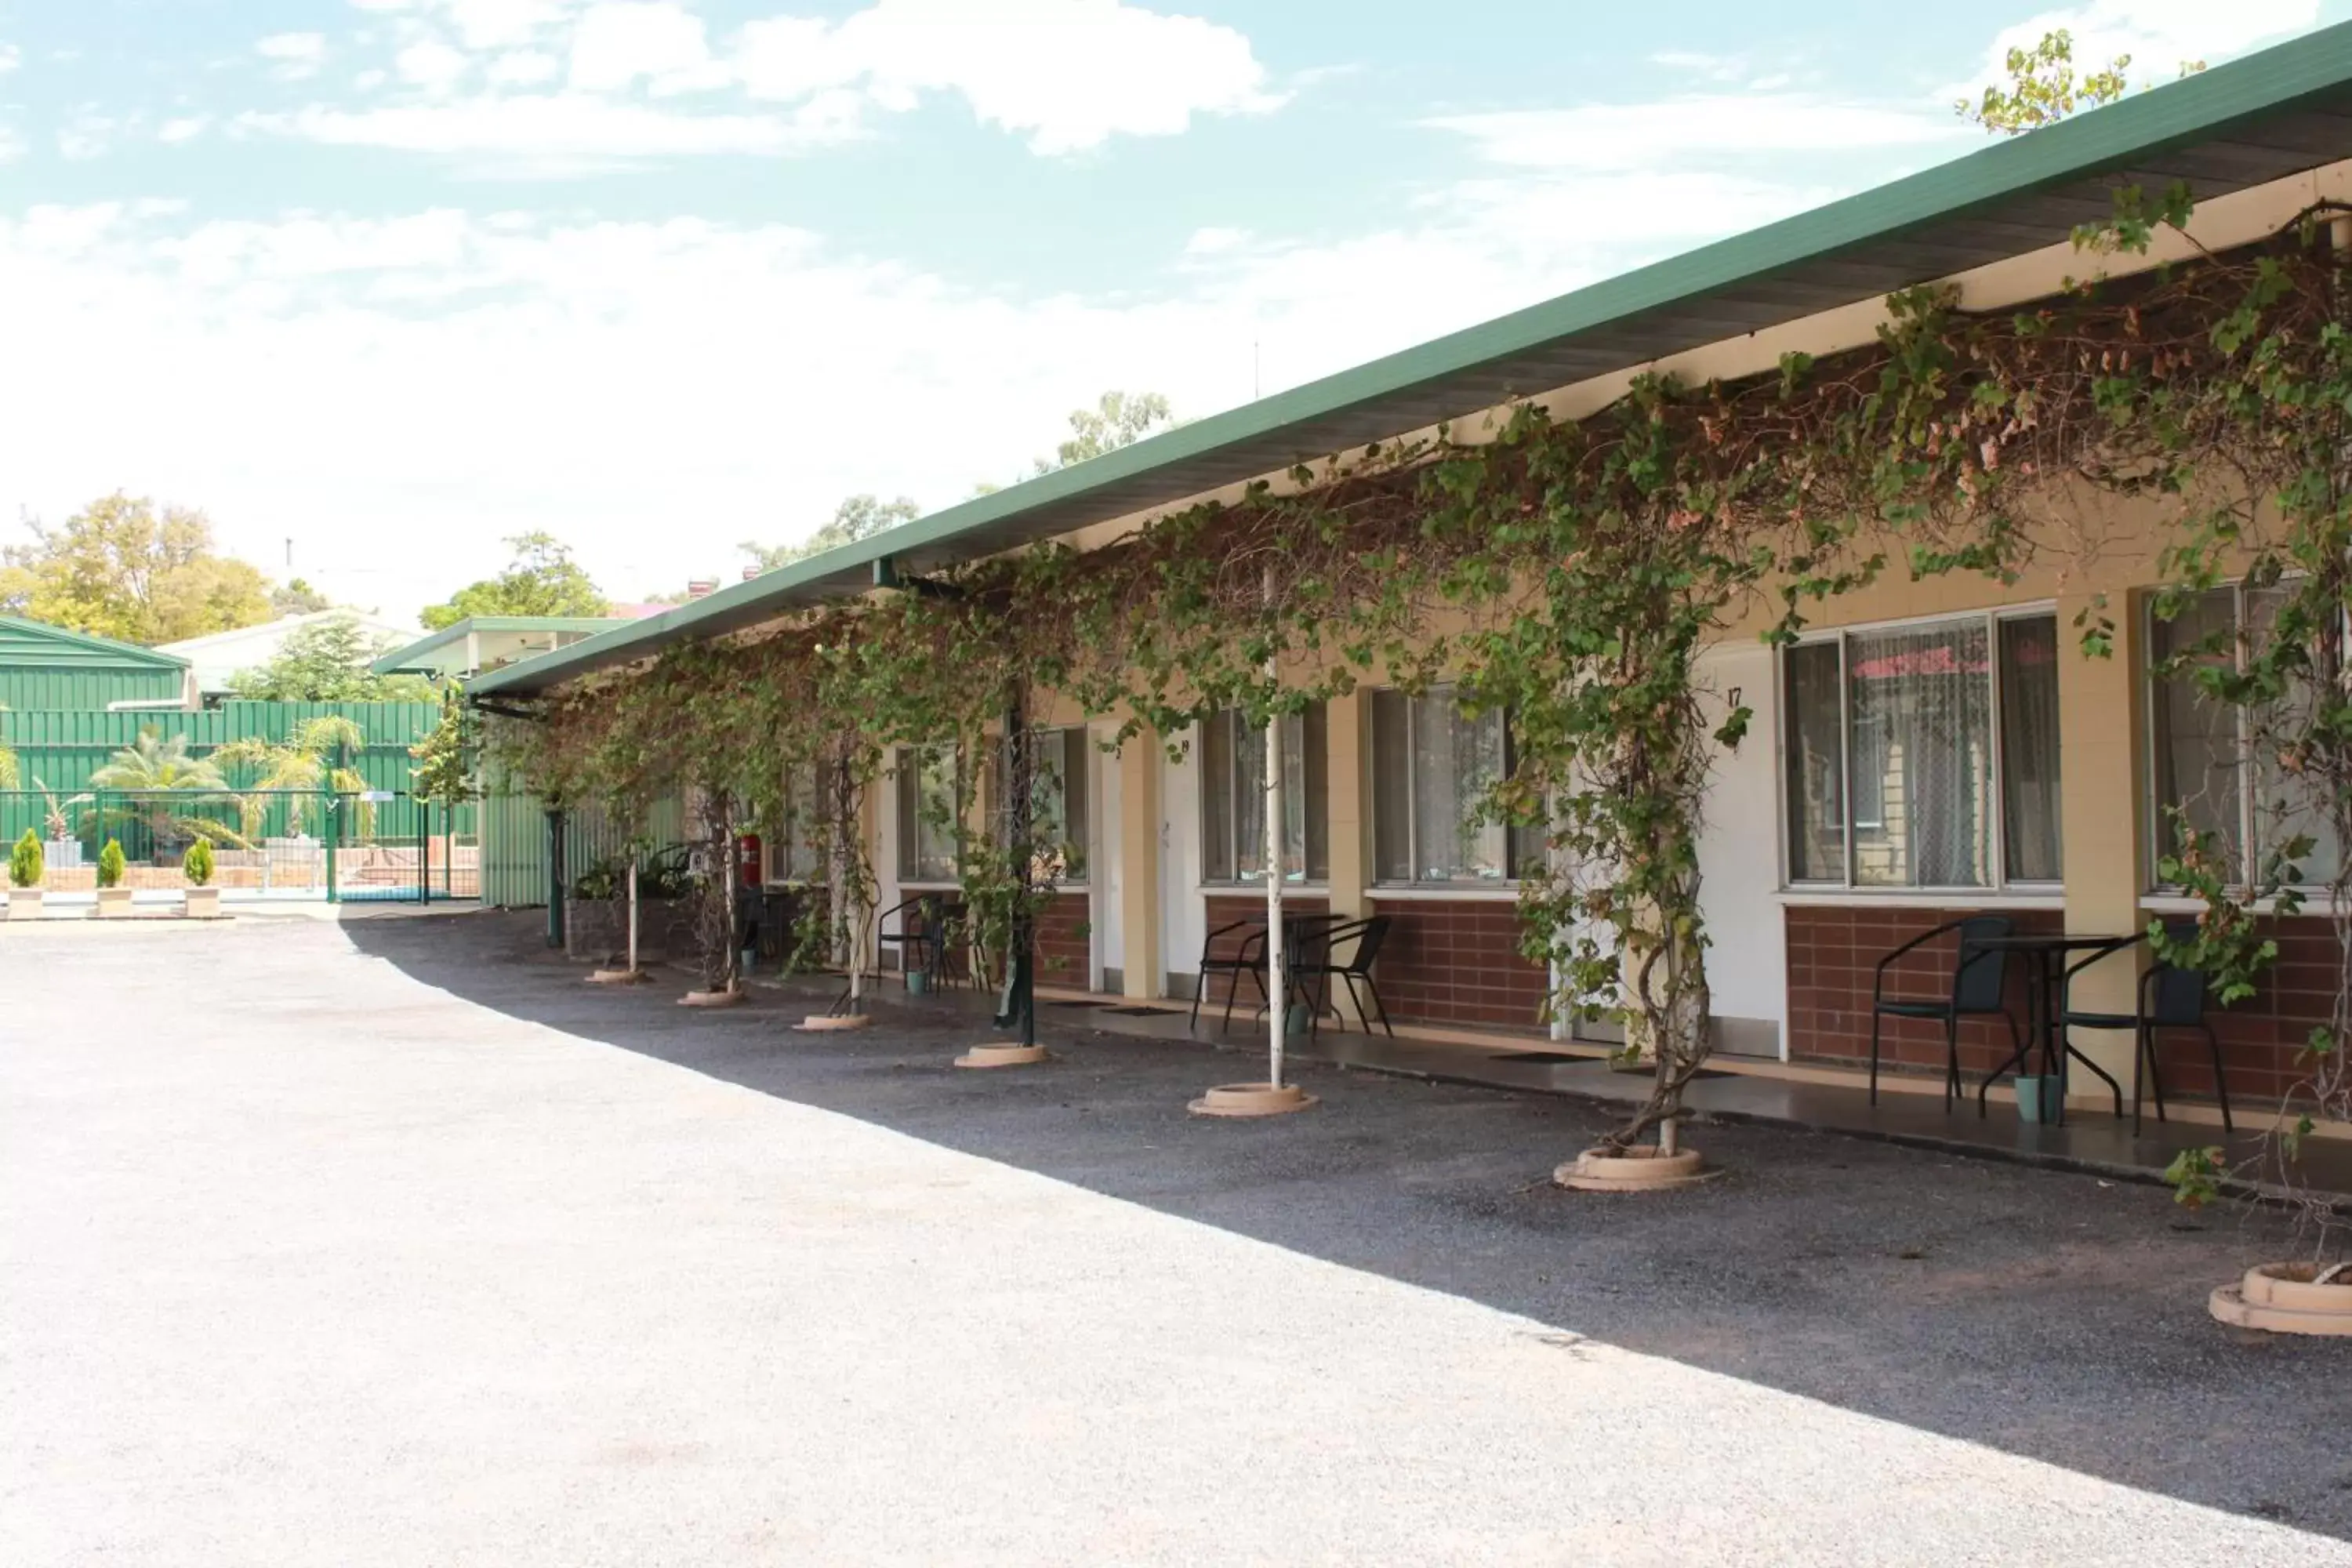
pixel 1225 908
pixel 1064 954
pixel 2261 1036
pixel 1832 951
pixel 1457 962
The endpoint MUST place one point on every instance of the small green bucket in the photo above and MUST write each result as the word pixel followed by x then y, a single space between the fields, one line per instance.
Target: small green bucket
pixel 919 982
pixel 2037 1097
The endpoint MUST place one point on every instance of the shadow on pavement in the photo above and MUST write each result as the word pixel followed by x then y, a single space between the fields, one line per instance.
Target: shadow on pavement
pixel 2048 1315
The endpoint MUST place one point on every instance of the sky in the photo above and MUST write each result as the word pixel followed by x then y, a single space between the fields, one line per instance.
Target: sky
pixel 377 283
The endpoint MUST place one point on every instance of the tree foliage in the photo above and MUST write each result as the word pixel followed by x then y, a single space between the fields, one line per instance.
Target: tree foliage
pixel 327 661
pixel 121 568
pixel 1118 419
pixel 857 516
pixel 2043 88
pixel 445 758
pixel 296 597
pixel 542 579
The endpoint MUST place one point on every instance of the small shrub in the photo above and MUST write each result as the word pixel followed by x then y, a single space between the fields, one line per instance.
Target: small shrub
pixel 196 865
pixel 25 866
pixel 109 865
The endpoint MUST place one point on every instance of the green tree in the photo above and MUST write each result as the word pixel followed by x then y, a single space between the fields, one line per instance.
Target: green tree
pixel 297 766
pixel 120 568
pixel 444 770
pixel 859 517
pixel 167 780
pixel 299 598
pixel 2043 88
pixel 327 661
pixel 1118 419
pixel 542 580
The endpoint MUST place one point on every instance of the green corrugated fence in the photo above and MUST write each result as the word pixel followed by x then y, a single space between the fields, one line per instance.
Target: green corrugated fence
pixel 514 843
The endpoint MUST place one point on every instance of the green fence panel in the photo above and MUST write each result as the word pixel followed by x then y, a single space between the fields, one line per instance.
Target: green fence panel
pixel 514 844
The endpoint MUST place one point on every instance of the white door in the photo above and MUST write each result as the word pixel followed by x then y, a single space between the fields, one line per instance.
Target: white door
pixel 1740 860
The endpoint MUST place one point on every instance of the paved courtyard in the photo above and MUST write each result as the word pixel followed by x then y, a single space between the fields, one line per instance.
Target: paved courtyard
pixel 391 1242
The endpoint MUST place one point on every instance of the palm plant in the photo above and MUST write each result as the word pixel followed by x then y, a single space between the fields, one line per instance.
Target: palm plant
pixel 53 817
pixel 166 780
pixel 298 766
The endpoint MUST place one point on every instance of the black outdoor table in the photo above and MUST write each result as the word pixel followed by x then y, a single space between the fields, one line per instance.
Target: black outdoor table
pixel 1299 931
pixel 2041 1023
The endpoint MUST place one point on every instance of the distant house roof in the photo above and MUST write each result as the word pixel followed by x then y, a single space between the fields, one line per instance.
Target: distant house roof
pixel 413 658
pixel 2273 114
pixel 219 655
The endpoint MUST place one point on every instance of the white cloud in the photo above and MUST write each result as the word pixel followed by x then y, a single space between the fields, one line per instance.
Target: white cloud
pixel 369 80
pixel 1067 75
pixel 187 128
pixel 544 135
pixel 1730 126
pixel 2160 36
pixel 431 65
pixel 11 57
pixel 88 134
pixel 293 55
pixel 524 68
pixel 617 44
pixel 12 145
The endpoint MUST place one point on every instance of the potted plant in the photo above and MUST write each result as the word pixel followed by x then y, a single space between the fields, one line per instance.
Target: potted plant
pixel 114 898
pixel 24 872
pixel 203 899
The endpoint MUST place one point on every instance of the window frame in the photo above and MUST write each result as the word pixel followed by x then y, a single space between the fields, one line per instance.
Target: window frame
pixel 777 849
pixel 1076 747
pixel 2000 884
pixel 1317 803
pixel 1455 886
pixel 2154 838
pixel 907 808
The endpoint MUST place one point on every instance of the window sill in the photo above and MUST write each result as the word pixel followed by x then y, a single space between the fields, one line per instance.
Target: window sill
pixel 1257 890
pixel 1463 893
pixel 2316 906
pixel 1921 899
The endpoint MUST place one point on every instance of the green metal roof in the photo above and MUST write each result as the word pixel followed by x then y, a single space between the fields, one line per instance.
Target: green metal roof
pixel 2270 115
pixel 27 643
pixel 402 660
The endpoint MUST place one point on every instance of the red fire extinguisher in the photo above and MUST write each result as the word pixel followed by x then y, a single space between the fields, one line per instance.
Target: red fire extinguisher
pixel 748 868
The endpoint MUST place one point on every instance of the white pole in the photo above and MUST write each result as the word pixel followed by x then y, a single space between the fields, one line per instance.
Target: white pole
pixel 633 914
pixel 1278 961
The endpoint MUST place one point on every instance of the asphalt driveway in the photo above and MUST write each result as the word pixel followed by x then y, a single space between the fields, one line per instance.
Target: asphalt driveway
pixel 391 1242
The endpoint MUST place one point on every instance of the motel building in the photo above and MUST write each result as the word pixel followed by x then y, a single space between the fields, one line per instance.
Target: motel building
pixel 1930 750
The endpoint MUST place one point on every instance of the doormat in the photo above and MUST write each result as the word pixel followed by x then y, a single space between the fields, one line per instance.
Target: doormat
pixel 1078 1005
pixel 1147 1011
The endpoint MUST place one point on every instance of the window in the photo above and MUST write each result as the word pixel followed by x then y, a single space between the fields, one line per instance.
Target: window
pixel 929 824
pixel 1058 804
pixel 2201 748
pixel 1233 798
pixel 796 852
pixel 1431 765
pixel 1924 755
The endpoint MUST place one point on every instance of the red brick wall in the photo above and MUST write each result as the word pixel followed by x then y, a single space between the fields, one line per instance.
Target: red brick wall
pixel 2261 1036
pixel 1449 961
pixel 1064 954
pixel 1832 951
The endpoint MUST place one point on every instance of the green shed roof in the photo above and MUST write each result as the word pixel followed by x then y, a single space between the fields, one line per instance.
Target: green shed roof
pixel 27 644
pixel 2270 115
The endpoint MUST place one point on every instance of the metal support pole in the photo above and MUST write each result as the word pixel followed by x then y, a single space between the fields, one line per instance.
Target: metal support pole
pixel 554 876
pixel 332 827
pixel 633 914
pixel 1277 956
pixel 1020 771
pixel 424 851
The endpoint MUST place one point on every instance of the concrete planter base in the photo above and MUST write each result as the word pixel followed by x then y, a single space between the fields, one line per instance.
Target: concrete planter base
pixel 113 903
pixel 1001 1057
pixel 24 903
pixel 201 903
pixel 619 977
pixel 1637 1171
pixel 712 999
pixel 1253 1099
pixel 833 1023
pixel 2282 1299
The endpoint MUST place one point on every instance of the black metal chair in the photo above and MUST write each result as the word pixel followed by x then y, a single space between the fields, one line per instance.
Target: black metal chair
pixel 922 941
pixel 1366 937
pixel 1247 958
pixel 1979 989
pixel 2167 998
